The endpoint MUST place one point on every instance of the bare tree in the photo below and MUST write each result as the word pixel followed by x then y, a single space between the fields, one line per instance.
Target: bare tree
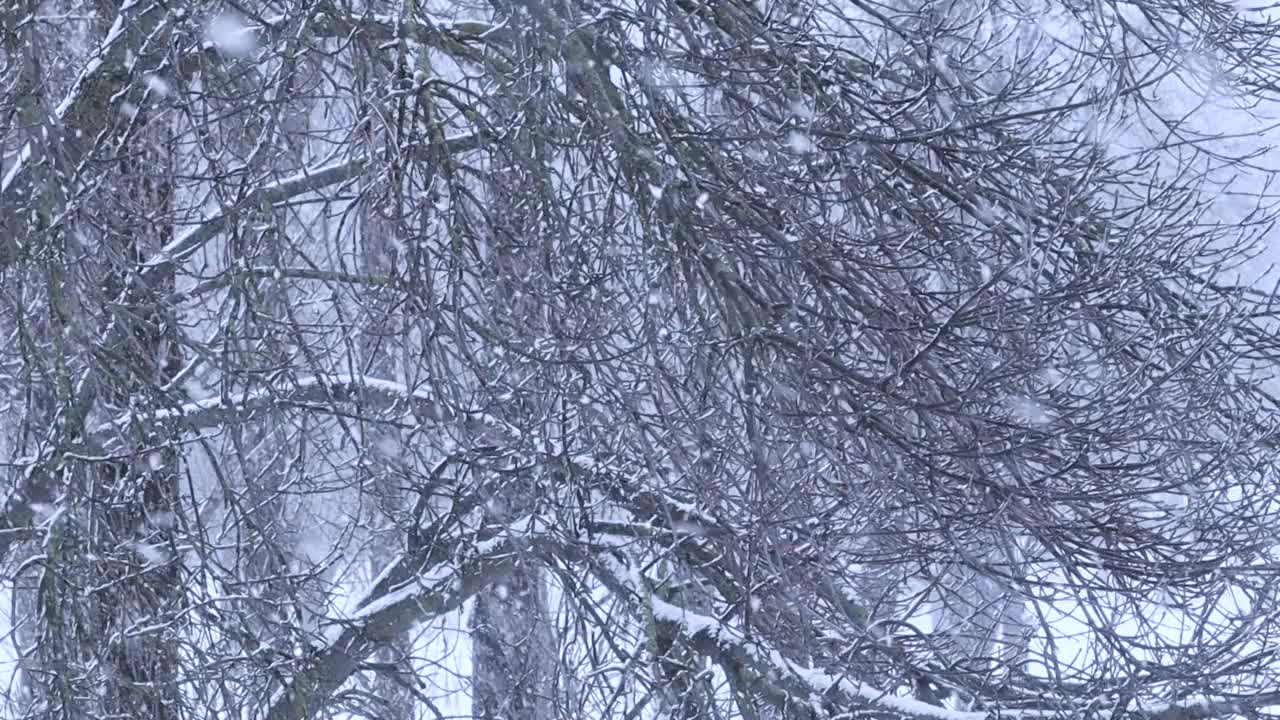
pixel 731 359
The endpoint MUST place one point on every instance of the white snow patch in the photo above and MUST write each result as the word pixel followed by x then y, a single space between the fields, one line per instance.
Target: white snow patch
pixel 802 110
pixel 684 527
pixel 314 543
pixel 1051 376
pixel 985 213
pixel 945 105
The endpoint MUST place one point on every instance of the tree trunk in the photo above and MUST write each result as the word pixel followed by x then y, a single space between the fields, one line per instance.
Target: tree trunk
pixel 141 495
pixel 381 337
pixel 510 636
pixel 512 646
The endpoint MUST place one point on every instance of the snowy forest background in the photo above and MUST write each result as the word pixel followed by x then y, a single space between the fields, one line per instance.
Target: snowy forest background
pixel 649 359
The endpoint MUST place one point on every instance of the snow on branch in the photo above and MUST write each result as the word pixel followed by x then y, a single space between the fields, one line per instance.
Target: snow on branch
pixel 452 571
pixel 314 392
pixel 225 279
pixel 35 481
pixel 1203 707
pixel 784 682
pixel 453 36
pixel 17 507
pixel 317 393
pixel 791 682
pixel 415 406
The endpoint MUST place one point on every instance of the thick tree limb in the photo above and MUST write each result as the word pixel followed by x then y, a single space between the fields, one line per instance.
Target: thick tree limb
pixel 454 570
pixel 309 180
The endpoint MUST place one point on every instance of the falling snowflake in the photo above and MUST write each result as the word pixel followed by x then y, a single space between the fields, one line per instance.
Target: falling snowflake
pixel 230 36
pixel 156 461
pixel 152 555
pixel 802 110
pixel 158 85
pixel 685 527
pixel 388 448
pixel 1030 411
pixel 162 519
pixel 800 143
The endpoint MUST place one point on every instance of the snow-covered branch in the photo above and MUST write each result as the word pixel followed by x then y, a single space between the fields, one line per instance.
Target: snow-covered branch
pixel 452 571
pixel 787 683
pixel 313 393
pixel 1204 707
pixel 454 37
pixel 279 273
pixel 316 393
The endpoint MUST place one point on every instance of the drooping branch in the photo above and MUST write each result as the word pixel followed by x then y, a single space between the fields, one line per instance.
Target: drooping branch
pixel 786 684
pixel 82 115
